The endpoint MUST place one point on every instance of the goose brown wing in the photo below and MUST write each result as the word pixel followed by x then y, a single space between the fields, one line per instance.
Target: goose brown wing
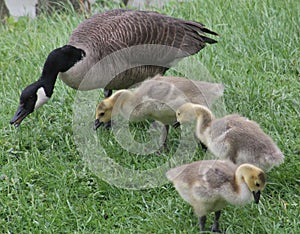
pixel 130 27
pixel 145 42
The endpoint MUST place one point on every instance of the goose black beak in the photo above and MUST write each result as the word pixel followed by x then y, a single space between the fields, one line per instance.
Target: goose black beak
pixel 256 196
pixel 97 124
pixel 20 114
pixel 176 124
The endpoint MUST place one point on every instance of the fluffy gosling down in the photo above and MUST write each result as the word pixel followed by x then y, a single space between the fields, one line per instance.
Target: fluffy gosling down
pixel 209 186
pixel 232 137
pixel 157 99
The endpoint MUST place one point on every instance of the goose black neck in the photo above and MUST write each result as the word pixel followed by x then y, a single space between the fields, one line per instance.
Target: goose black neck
pixel 59 60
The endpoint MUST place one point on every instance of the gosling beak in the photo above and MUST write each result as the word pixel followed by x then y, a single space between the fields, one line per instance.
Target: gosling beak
pixel 176 124
pixel 20 114
pixel 97 124
pixel 256 196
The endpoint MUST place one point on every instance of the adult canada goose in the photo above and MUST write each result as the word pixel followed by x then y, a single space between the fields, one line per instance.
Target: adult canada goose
pixel 232 137
pixel 84 63
pixel 157 99
pixel 210 185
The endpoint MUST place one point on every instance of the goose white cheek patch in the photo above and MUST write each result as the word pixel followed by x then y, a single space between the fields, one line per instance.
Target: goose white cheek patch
pixel 41 98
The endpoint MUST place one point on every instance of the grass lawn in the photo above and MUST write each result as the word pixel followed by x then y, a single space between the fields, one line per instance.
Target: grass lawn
pixel 45 184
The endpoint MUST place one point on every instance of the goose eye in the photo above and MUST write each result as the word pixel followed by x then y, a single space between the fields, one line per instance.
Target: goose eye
pixel 28 98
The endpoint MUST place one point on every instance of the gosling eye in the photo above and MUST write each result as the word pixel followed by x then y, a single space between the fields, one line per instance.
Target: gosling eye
pixel 257 184
pixel 101 114
pixel 178 113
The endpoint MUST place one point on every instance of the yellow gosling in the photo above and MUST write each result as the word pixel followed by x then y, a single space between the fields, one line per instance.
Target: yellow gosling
pixel 157 99
pixel 209 186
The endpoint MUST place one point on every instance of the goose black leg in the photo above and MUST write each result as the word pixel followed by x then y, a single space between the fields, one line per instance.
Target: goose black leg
pixel 107 93
pixel 202 221
pixel 215 226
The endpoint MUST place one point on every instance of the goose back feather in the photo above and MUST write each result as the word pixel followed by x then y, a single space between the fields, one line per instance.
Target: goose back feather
pixel 149 42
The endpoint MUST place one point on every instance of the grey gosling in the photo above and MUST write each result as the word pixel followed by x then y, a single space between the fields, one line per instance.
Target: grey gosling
pixel 232 137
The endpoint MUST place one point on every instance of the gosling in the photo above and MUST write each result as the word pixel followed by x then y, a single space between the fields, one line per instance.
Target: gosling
pixel 232 137
pixel 157 99
pixel 209 186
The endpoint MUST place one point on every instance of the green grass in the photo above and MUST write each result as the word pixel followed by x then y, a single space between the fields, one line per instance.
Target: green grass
pixel 46 187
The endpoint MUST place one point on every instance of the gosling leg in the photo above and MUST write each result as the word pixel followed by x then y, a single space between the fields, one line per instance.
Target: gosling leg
pixel 202 221
pixel 215 226
pixel 165 137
